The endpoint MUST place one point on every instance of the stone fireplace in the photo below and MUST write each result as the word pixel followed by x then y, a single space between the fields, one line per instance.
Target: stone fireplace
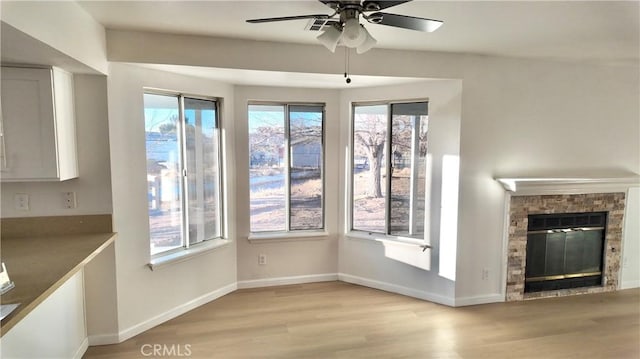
pixel 608 208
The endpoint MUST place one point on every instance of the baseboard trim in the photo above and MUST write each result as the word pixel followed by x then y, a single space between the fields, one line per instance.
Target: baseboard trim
pixel 394 288
pixel 103 339
pixel 480 299
pixel 174 312
pixel 628 284
pixel 82 349
pixel 300 279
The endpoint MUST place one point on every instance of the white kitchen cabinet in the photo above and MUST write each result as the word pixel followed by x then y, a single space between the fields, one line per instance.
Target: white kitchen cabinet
pixel 38 141
pixel 56 328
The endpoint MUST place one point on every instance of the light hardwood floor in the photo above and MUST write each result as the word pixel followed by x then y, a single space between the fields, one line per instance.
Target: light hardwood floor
pixel 341 320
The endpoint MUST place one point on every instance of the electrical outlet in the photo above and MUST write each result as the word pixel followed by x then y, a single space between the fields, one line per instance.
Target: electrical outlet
pixel 262 259
pixel 21 201
pixel 485 273
pixel 69 200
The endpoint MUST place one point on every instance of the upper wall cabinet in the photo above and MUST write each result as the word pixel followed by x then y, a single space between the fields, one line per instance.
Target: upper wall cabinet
pixel 38 131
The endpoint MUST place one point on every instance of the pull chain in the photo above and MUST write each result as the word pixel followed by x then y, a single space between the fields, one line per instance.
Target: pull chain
pixel 346 64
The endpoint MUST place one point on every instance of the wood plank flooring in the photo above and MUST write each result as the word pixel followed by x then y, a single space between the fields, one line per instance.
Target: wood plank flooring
pixel 341 320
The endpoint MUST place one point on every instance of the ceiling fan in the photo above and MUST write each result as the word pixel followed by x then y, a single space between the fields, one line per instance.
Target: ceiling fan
pixel 347 28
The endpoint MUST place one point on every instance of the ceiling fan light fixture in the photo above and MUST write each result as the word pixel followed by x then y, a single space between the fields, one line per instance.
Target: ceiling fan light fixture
pixel 353 34
pixel 330 38
pixel 346 28
pixel 369 42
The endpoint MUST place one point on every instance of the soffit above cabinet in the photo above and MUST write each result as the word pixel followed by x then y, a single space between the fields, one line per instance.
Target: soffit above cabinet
pixel 17 47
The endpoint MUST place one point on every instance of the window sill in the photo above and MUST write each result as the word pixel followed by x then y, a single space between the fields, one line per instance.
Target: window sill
pixel 381 238
pixel 185 254
pixel 287 237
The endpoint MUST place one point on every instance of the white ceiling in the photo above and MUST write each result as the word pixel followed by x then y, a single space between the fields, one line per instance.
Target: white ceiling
pixel 583 31
pixel 607 31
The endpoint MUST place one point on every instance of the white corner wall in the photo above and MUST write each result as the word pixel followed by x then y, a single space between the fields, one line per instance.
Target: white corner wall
pixel 147 298
pixel 630 272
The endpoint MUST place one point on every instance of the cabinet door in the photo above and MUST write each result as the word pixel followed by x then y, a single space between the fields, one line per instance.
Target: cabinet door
pixel 28 125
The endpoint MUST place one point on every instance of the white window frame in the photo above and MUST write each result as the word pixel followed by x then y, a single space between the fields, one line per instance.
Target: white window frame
pixel 377 236
pixel 294 234
pixel 188 249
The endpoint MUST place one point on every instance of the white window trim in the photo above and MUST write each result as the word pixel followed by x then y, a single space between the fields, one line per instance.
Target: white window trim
pixel 268 237
pixel 382 238
pixel 184 254
pixel 295 234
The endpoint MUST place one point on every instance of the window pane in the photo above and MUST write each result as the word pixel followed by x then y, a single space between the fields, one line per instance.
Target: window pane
pixel 408 154
pixel 203 187
pixel 163 172
pixel 305 139
pixel 267 163
pixel 369 169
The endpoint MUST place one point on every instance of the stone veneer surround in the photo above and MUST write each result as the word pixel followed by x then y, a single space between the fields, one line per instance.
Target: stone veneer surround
pixel 522 206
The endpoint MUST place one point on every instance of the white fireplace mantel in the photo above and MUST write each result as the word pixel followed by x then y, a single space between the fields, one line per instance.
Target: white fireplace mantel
pixel 540 185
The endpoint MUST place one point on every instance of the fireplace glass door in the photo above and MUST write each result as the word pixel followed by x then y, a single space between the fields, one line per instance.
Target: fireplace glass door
pixel 561 256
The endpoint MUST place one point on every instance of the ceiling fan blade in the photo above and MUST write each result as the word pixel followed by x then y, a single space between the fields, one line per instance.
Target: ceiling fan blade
pixel 405 22
pixel 287 18
pixel 368 5
pixel 330 3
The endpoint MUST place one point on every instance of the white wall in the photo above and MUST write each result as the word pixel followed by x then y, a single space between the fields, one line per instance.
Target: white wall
pixel 525 118
pixel 145 297
pixel 630 272
pixel 297 256
pixel 93 186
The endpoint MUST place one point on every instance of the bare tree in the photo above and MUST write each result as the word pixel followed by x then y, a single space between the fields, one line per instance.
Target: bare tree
pixel 305 130
pixel 370 136
pixel 265 142
pixel 402 132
